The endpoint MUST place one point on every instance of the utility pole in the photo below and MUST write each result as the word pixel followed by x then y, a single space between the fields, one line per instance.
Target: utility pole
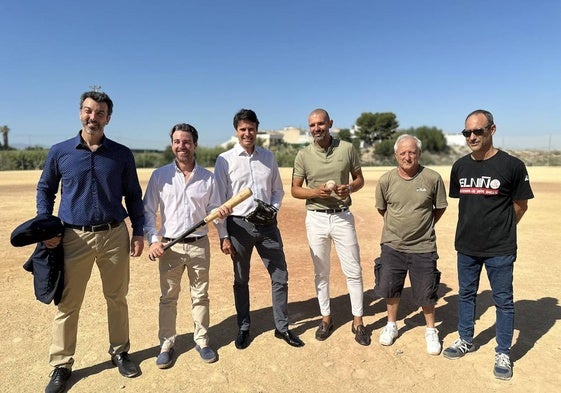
pixel 95 88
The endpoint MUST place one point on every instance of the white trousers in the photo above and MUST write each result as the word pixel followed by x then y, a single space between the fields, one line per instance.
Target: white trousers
pixel 322 229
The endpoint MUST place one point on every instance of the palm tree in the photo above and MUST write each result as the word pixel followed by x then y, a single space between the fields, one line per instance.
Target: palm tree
pixel 5 130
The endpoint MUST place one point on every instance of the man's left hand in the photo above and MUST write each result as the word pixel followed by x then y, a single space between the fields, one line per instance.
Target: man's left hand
pixel 137 245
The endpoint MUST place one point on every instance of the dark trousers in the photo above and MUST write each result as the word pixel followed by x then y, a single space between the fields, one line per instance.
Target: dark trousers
pixel 267 241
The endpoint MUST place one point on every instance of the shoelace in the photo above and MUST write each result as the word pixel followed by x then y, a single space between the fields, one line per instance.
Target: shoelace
pixel 502 361
pixel 461 345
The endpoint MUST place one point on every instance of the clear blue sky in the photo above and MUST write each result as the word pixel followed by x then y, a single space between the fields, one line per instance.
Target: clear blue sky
pixel 164 62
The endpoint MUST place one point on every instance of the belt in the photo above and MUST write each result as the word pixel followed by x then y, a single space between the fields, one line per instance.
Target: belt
pixel 185 239
pixel 331 211
pixel 94 228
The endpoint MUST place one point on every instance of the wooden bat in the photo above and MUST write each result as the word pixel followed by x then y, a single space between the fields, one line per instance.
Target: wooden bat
pixel 235 200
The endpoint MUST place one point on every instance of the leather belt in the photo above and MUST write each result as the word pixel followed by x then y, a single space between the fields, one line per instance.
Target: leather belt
pixel 94 228
pixel 331 211
pixel 184 240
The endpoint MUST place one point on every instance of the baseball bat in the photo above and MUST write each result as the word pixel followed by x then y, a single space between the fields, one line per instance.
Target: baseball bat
pixel 235 200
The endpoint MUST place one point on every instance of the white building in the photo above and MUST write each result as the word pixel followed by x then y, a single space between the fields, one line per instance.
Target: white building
pixel 455 139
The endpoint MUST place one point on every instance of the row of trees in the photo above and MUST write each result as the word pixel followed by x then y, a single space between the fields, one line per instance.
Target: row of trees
pixel 373 130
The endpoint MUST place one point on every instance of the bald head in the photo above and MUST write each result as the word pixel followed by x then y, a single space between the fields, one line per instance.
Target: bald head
pixel 320 112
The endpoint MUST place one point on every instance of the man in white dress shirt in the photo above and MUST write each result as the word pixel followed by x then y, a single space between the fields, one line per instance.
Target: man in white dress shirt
pixel 251 166
pixel 184 193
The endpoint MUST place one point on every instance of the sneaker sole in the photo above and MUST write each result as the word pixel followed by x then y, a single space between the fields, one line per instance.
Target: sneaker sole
pixel 454 356
pixel 211 360
pixel 164 366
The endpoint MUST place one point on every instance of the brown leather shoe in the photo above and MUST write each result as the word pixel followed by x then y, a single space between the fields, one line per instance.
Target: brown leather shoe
pixel 361 336
pixel 324 330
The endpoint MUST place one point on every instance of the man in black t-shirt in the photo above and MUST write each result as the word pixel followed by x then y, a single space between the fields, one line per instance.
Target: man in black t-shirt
pixel 493 188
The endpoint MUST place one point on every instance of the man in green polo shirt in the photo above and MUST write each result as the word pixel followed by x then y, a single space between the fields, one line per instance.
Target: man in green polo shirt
pixel 325 166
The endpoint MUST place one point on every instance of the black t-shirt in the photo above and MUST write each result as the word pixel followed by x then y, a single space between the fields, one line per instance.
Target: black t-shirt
pixel 487 188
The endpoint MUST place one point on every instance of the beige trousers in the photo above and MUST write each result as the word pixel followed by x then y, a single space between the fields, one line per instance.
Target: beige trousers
pixel 110 251
pixel 195 259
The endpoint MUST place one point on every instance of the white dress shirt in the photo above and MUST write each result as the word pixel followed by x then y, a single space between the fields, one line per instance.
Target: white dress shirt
pixel 236 170
pixel 181 203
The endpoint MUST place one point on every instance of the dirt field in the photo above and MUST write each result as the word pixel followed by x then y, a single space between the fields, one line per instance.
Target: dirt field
pixel 270 365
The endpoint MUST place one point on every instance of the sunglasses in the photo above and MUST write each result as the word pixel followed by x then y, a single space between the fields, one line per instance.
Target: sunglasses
pixel 476 132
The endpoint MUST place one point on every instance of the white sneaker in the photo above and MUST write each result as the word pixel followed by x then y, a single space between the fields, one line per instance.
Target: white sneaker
pixel 433 342
pixel 389 333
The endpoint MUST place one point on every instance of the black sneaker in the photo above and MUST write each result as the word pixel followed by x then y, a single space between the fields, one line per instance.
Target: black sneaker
pixel 458 349
pixel 59 377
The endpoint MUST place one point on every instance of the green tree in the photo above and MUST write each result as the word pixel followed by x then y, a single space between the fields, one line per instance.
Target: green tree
pixel 384 148
pixel 433 138
pixel 377 126
pixel 345 134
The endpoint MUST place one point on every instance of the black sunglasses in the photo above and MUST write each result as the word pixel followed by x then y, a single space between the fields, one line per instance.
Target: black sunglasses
pixel 476 132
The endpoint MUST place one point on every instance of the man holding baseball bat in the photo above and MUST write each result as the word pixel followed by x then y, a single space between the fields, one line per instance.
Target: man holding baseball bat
pixel 325 166
pixel 184 193
pixel 249 166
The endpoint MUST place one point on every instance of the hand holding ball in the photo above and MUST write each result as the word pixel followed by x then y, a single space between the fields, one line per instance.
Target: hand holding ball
pixel 330 185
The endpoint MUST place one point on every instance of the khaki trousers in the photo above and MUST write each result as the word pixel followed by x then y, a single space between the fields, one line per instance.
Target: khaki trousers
pixel 195 258
pixel 110 251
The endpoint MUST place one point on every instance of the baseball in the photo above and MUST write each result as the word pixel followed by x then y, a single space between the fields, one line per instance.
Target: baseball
pixel 330 184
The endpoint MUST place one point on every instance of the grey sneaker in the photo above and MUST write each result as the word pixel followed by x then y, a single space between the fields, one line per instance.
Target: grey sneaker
pixel 503 367
pixel 458 349
pixel 207 354
pixel 165 358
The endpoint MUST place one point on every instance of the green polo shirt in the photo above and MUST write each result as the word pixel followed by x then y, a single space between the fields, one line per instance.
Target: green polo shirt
pixel 316 166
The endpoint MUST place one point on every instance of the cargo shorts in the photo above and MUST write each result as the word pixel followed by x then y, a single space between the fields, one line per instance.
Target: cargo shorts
pixel 390 270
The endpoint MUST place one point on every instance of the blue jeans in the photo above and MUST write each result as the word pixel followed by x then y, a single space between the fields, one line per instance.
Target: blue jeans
pixel 500 273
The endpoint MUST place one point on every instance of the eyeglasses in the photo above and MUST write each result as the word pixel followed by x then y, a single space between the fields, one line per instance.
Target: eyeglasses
pixel 476 132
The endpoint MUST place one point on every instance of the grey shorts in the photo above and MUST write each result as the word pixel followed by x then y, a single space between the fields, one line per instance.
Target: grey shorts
pixel 391 268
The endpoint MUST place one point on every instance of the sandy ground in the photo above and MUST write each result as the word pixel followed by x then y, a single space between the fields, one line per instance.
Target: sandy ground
pixel 338 364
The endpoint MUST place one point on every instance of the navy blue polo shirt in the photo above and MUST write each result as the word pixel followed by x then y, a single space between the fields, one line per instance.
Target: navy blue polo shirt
pixel 93 184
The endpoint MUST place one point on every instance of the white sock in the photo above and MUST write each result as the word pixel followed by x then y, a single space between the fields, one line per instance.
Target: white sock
pixel 392 324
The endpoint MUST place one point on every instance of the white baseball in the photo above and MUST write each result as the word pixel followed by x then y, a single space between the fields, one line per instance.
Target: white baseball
pixel 330 184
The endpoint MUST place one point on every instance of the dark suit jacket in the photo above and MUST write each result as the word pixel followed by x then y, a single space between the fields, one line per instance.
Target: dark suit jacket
pixel 46 264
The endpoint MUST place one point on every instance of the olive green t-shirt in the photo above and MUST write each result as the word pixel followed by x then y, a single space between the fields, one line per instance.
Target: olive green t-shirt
pixel 316 166
pixel 409 205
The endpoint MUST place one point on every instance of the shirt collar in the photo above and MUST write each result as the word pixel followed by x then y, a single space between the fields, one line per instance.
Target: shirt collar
pixel 239 150
pixel 178 171
pixel 334 143
pixel 79 142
